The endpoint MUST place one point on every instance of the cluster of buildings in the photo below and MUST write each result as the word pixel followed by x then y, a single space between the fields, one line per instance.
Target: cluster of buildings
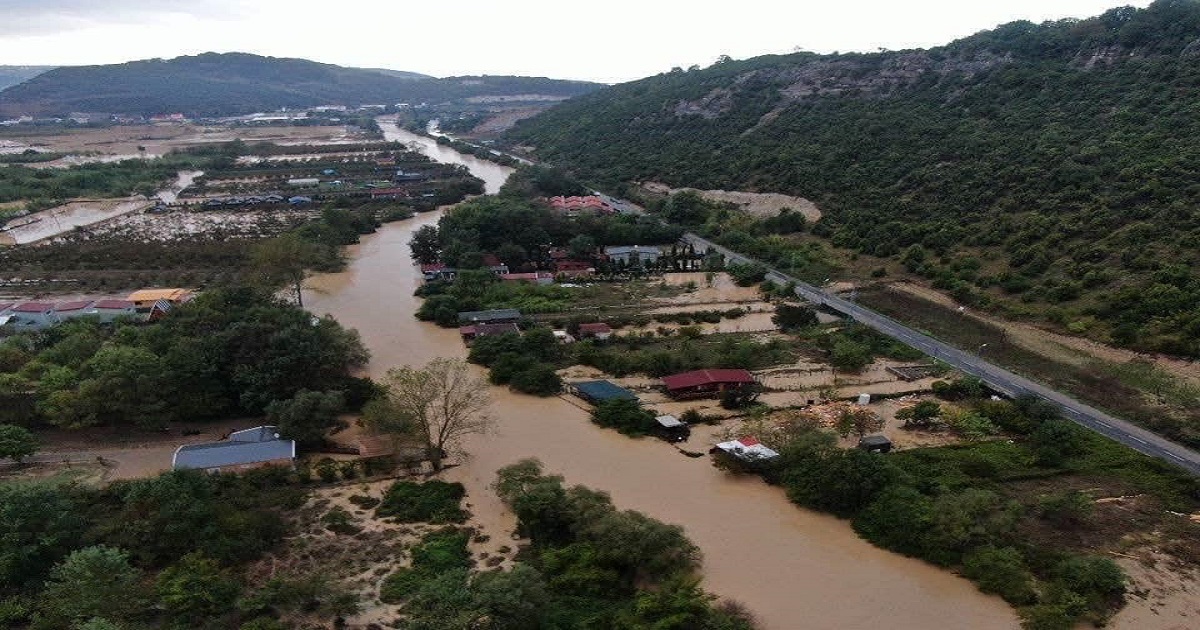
pixel 476 324
pixel 576 206
pixel 143 305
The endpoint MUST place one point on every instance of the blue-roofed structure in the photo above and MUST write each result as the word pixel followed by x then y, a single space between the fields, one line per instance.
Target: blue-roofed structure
pixel 249 448
pixel 597 392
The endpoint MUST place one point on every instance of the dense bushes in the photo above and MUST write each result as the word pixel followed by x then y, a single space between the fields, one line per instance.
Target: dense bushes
pixel 625 415
pixel 72 553
pixel 963 506
pixel 429 502
pixel 229 351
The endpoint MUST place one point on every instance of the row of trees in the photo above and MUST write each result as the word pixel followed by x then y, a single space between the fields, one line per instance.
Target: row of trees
pixel 229 351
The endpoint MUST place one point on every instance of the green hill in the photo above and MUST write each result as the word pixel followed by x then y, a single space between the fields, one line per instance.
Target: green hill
pixel 12 75
pixel 1049 170
pixel 214 84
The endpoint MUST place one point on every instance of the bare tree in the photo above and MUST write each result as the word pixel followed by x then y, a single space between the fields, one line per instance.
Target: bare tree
pixel 438 404
pixel 860 420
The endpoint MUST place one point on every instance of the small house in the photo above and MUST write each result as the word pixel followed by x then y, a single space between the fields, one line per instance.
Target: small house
pixel 389 193
pixel 144 299
pixel 747 450
pixel 303 181
pixel 70 310
pixel 574 268
pixel 701 383
pixel 251 448
pixel 109 310
pixel 494 316
pixel 434 272
pixel 633 255
pixel 31 316
pixel 673 429
pixel 562 336
pixel 299 200
pixel 875 444
pixel 475 331
pixel 596 330
pixel 574 206
pixel 596 392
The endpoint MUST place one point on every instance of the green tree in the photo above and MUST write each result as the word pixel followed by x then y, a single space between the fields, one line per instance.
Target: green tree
pixel 195 590
pixel 285 260
pixel 625 415
pixel 1001 571
pixel 16 442
pixel 91 582
pixel 789 317
pixel 307 417
pixel 124 384
pixel 39 525
pixel 426 245
pixel 921 414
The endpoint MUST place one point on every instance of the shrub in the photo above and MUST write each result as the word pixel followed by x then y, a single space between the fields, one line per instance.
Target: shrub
pixel 1001 571
pixel 429 502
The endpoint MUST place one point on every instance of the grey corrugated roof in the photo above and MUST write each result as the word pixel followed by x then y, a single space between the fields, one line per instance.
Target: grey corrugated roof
pixel 218 454
pixel 257 434
pixel 486 316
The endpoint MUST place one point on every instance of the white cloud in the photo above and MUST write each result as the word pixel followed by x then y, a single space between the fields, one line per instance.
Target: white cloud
pixel 611 41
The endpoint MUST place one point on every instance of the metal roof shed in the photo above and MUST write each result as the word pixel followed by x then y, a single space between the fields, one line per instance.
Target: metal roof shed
pixel 597 392
pixel 251 446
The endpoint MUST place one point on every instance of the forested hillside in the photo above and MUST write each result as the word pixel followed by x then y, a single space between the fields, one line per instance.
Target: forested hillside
pixel 238 83
pixel 1048 170
pixel 12 75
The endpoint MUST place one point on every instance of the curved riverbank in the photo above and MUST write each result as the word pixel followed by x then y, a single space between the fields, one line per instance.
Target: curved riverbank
pixel 791 567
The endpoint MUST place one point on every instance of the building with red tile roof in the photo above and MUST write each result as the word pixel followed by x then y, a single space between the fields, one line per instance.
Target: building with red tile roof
pixel 706 382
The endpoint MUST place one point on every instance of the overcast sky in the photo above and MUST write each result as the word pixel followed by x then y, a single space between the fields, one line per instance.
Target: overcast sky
pixel 599 40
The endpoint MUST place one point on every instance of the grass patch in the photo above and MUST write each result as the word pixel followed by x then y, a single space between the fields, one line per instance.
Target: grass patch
pixel 429 502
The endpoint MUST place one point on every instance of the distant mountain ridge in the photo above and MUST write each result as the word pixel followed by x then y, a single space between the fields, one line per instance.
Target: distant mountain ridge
pixel 12 75
pixel 1044 169
pixel 215 84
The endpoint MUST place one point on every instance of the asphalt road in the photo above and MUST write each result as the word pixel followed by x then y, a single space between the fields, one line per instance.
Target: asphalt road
pixel 996 377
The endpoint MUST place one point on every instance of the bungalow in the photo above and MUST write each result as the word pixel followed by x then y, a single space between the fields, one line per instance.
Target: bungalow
pixel 534 277
pixel 574 206
pixel 30 316
pixel 597 392
pixel 493 263
pixel 574 268
pixel 700 383
pixel 109 310
pixel 747 450
pixel 147 298
pixel 495 316
pixel 474 331
pixel 71 310
pixel 633 255
pixel 597 330
pixel 434 272
pixel 251 448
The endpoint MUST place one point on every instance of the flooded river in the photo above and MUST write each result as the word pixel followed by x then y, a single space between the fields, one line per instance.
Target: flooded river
pixel 492 174
pixel 793 568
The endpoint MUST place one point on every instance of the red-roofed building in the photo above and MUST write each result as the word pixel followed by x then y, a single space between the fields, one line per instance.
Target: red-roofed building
pixel 491 261
pixel 30 316
pixel 574 269
pixel 700 383
pixel 109 310
pixel 67 310
pixel 596 330
pixel 574 206
pixel 534 277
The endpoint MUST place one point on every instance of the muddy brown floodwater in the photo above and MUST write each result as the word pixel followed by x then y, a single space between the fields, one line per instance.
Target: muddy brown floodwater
pixel 792 567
